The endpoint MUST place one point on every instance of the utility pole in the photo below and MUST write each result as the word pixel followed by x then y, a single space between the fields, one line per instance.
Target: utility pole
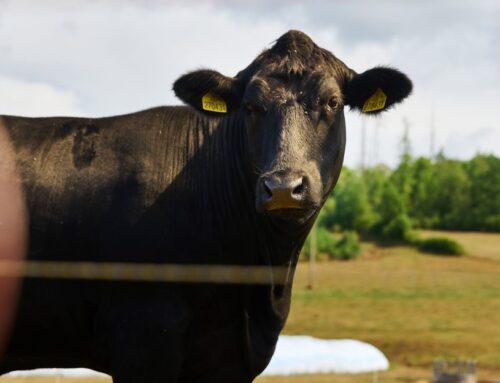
pixel 363 143
pixel 313 249
pixel 432 134
pixel 405 142
pixel 376 142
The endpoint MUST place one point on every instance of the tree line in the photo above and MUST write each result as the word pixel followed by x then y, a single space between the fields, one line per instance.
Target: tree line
pixel 420 193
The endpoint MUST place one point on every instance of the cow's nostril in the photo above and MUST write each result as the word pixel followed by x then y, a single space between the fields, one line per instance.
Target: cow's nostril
pixel 267 189
pixel 299 189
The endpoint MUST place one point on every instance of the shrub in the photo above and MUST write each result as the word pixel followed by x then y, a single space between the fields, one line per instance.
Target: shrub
pixel 347 247
pixel 325 244
pixel 492 223
pixel 444 246
pixel 398 228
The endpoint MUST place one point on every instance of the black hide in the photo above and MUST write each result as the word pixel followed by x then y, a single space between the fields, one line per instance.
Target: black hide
pixel 173 185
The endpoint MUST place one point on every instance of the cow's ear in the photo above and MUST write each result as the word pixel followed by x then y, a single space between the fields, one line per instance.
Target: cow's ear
pixel 209 91
pixel 376 89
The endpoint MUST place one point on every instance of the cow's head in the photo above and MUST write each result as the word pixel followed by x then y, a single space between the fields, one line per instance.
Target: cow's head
pixel 292 99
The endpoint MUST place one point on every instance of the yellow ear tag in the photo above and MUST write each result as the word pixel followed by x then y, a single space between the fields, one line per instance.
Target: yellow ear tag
pixel 213 103
pixel 375 102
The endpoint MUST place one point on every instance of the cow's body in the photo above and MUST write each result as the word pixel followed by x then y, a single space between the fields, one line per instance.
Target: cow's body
pixel 163 185
pixel 171 185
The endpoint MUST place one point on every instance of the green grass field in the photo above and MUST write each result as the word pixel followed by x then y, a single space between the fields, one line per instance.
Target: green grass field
pixel 415 307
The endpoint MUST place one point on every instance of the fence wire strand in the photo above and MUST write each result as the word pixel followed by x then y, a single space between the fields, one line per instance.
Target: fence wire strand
pixel 145 272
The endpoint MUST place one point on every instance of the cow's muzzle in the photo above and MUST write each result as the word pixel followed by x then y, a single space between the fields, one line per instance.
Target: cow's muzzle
pixel 283 192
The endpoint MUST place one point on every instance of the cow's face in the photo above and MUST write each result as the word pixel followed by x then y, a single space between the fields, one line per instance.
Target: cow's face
pixel 291 99
pixel 296 138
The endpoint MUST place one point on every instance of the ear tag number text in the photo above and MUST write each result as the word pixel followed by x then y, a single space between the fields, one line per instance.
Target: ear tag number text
pixel 213 103
pixel 375 102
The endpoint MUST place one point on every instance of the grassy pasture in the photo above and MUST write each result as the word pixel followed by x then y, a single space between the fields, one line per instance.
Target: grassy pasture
pixel 413 306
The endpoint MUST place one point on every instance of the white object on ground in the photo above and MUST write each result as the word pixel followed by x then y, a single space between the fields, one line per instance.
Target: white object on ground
pixel 66 372
pixel 294 355
pixel 308 355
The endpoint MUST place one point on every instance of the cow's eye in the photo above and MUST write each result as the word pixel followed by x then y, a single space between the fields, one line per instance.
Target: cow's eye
pixel 333 103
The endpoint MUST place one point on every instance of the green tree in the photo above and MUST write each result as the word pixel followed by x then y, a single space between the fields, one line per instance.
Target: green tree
pixel 449 194
pixel 402 178
pixel 420 210
pixel 484 200
pixel 352 209
pixel 393 221
pixel 327 213
pixel 445 194
pixel 375 179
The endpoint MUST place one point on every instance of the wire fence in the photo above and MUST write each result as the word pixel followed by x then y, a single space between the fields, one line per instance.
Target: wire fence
pixel 145 272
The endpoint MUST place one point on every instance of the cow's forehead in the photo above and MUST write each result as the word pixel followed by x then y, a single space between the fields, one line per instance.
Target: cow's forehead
pixel 294 64
pixel 295 55
pixel 307 85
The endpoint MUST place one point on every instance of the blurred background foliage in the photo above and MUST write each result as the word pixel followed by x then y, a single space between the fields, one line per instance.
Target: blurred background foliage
pixel 387 205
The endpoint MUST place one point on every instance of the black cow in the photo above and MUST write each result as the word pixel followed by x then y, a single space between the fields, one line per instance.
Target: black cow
pixel 235 178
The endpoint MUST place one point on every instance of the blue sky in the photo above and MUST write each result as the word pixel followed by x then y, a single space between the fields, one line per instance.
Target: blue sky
pixel 97 58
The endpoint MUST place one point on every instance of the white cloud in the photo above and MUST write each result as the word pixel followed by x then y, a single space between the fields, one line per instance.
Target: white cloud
pixel 119 60
pixel 32 99
pixel 483 140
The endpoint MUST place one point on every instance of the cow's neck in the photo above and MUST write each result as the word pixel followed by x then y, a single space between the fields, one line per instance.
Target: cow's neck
pixel 251 237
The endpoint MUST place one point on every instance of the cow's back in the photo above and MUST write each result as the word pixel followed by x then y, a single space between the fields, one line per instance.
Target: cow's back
pixel 85 180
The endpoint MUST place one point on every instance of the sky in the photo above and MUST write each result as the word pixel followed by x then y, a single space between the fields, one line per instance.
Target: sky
pixel 99 58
